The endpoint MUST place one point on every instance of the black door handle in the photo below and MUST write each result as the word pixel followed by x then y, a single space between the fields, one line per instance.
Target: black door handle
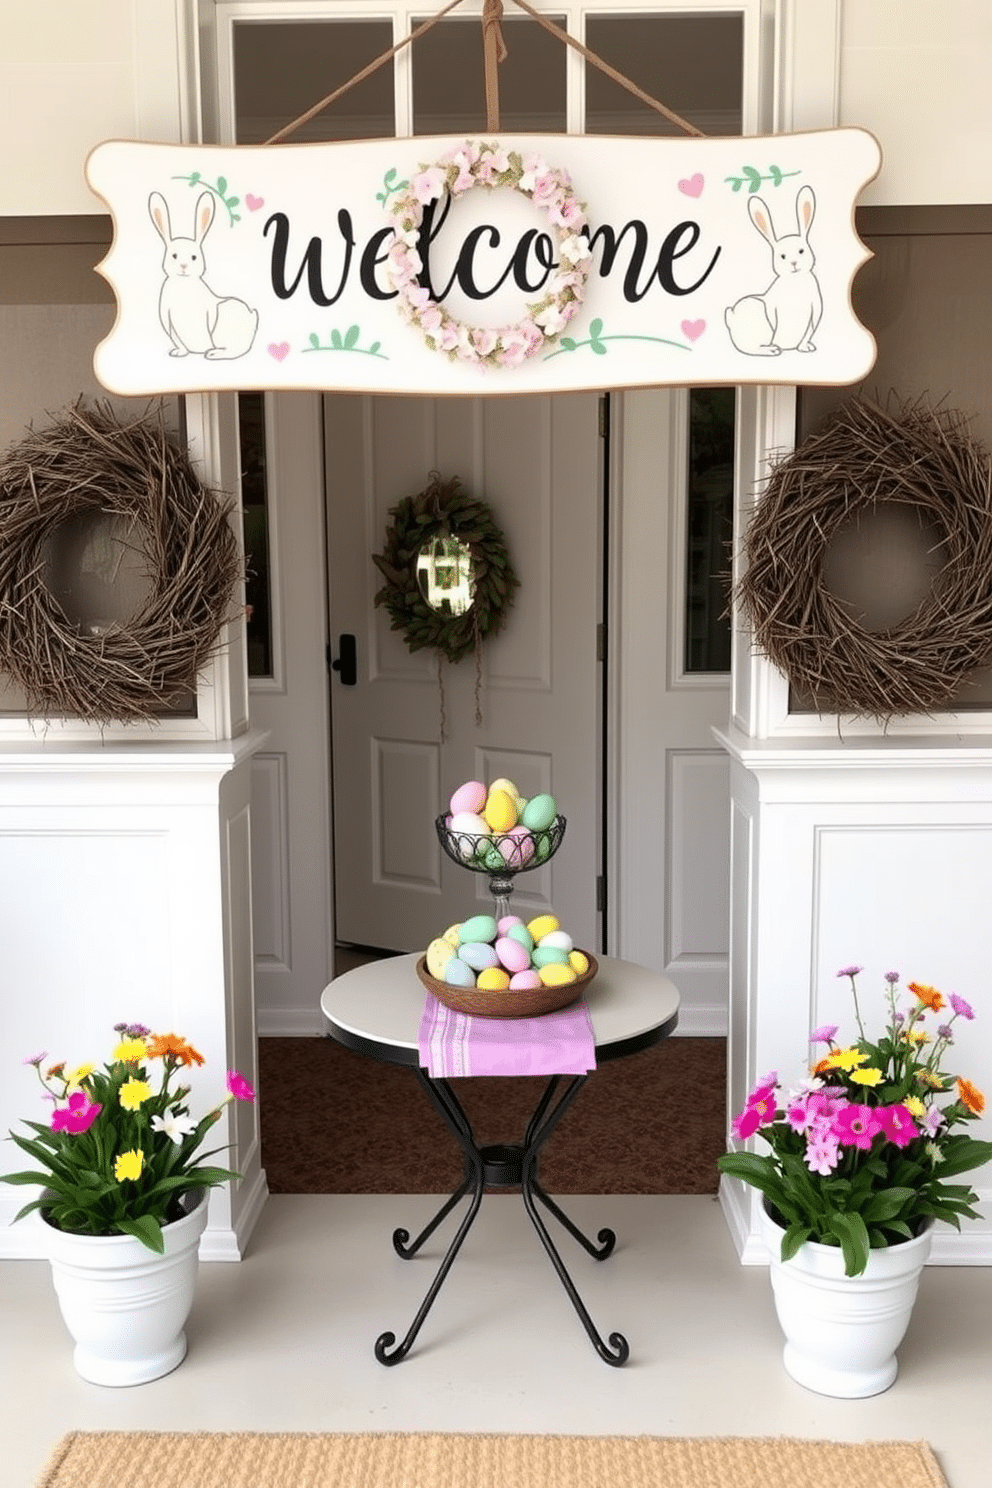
pixel 347 663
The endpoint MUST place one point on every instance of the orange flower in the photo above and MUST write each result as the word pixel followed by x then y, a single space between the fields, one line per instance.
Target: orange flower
pixel 971 1096
pixel 928 995
pixel 170 1045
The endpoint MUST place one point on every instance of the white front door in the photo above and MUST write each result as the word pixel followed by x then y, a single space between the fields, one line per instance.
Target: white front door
pixel 537 463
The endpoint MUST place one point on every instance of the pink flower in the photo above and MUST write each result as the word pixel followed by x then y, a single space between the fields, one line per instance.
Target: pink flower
pixel 850 971
pixel 78 1116
pixel 429 185
pixel 764 1088
pixel 962 1008
pixel 746 1124
pixel 856 1126
pixel 898 1124
pixel 821 1156
pixel 825 1034
pixel 484 340
pixel 239 1087
pixel 933 1120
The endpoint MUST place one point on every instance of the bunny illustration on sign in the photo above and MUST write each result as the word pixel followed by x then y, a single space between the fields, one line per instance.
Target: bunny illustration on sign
pixel 785 316
pixel 195 318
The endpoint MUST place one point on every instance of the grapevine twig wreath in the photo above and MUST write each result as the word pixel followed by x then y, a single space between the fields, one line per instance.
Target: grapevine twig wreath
pixel 864 455
pixel 550 189
pixel 89 461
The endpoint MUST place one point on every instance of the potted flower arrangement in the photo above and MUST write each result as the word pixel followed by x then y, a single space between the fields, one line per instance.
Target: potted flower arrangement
pixel 124 1186
pixel 864 1151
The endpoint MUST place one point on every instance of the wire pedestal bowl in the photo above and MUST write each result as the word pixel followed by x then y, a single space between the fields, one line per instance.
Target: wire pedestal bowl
pixel 501 855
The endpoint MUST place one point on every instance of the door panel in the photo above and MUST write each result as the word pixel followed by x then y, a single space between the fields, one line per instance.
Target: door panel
pixel 536 462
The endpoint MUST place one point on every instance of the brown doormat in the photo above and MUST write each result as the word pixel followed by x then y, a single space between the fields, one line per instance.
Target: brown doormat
pixel 118 1459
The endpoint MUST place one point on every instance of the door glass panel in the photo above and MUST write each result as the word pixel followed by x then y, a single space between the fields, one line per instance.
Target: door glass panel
pixel 255 516
pixel 282 68
pixel 692 64
pixel 709 529
pixel 449 95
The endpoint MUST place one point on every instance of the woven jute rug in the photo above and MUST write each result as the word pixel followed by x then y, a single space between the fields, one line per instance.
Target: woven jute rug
pixel 118 1459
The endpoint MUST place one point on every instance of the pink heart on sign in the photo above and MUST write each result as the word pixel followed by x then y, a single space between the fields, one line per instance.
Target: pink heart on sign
pixel 280 351
pixel 693 186
pixel 253 202
pixel 693 329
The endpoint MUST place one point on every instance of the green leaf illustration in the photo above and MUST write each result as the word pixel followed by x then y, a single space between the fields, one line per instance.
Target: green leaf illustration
pixel 753 177
pixel 566 343
pixel 336 340
pixel 776 175
pixel 233 201
pixel 390 176
pixel 374 348
pixel 351 336
pixel 314 340
pixel 595 329
pixel 194 179
pixel 735 182
pixel 221 185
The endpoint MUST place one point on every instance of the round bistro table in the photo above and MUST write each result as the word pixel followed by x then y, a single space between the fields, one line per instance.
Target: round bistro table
pixel 376 1010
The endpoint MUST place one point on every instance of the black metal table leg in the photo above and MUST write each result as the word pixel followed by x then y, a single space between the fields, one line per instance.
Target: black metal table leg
pixel 504 1165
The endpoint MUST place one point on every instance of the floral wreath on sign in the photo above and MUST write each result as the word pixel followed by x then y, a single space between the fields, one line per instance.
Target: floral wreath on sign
pixel 550 189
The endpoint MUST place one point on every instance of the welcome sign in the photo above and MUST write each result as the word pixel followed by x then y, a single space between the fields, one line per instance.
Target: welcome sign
pixel 516 264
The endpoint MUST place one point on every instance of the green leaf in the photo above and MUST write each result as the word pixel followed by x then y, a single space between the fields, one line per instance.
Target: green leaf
pixel 351 336
pixel 566 343
pixel 232 201
pixel 735 182
pixel 389 176
pixel 374 348
pixel 794 1237
pixel 752 176
pixel 595 328
pixel 336 339
pixel 853 1236
pixel 146 1229
pixel 221 185
pixel 597 347
pixel 194 179
pixel 959 1158
pixel 314 340
pixel 775 174
pixel 886 1204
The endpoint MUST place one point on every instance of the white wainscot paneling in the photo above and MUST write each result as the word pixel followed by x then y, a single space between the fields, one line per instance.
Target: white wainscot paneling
pixel 270 860
pixel 405 781
pixel 871 854
pixel 697 875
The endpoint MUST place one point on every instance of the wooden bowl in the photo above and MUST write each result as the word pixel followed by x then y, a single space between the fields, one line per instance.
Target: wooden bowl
pixel 525 1002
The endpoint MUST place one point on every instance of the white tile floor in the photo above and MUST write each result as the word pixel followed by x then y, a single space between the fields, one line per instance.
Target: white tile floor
pixel 283 1340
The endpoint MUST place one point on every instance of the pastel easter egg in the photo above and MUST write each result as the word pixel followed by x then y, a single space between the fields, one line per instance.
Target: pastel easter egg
pixel 458 973
pixel 542 847
pixel 558 940
pixel 502 784
pixel 543 925
pixel 500 811
pixel 556 975
pixel 493 979
pixel 539 813
pixel 512 955
pixel 517 846
pixel 467 827
pixel 545 955
pixel 524 981
pixel 521 933
pixel 508 920
pixel 493 859
pixel 439 953
pixel 579 962
pixel 452 936
pixel 477 927
pixel 468 797
pixel 478 955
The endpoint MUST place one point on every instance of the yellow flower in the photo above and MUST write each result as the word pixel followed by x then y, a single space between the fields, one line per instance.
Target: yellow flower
pixel 129 1165
pixel 918 1036
pixel 867 1076
pixel 915 1106
pixel 929 1079
pixel 845 1059
pixel 130 1051
pixel 133 1092
pixel 74 1077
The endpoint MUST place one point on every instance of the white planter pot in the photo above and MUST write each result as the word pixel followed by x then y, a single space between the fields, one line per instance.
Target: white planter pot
pixel 841 1331
pixel 124 1305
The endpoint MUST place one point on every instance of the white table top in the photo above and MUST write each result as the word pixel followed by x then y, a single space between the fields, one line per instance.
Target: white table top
pixel 377 1008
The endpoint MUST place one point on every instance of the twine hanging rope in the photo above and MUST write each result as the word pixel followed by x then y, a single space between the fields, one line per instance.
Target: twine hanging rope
pixel 494 52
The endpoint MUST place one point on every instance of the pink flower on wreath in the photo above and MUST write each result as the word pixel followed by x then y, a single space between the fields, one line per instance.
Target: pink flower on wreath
pixel 429 184
pixel 492 163
pixel 856 1126
pixel 78 1116
pixel 484 340
pixel 566 212
pixel 897 1124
